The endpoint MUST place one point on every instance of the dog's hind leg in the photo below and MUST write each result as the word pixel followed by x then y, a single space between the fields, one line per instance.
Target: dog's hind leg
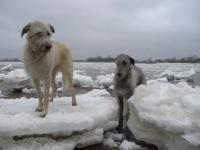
pixel 47 83
pixel 53 85
pixel 68 82
pixel 36 83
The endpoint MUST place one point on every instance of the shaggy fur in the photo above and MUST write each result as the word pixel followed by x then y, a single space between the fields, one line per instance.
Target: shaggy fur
pixel 127 78
pixel 43 58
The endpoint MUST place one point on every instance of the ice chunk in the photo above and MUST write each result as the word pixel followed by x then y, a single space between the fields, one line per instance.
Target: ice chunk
pixel 9 67
pixel 95 109
pixel 115 136
pixel 105 80
pixel 173 75
pixel 88 138
pixel 15 79
pixel 110 142
pixel 82 80
pixel 78 79
pixel 126 145
pixel 166 115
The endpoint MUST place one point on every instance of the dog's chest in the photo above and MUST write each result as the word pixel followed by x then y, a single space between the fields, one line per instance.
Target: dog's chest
pixel 123 88
pixel 37 66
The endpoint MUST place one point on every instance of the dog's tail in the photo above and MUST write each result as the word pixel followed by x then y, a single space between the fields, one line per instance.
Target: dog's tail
pixel 67 76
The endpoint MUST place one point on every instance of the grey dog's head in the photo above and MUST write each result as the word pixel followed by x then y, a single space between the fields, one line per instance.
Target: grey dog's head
pixel 38 36
pixel 124 66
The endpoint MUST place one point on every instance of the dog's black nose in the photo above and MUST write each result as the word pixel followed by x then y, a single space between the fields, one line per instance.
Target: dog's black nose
pixel 48 46
pixel 119 74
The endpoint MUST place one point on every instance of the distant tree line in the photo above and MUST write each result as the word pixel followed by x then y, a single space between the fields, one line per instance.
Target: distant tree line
pixel 11 59
pixel 100 59
pixel 190 59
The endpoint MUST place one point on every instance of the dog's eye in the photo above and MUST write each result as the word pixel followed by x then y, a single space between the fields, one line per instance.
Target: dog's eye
pixel 48 34
pixel 124 63
pixel 39 34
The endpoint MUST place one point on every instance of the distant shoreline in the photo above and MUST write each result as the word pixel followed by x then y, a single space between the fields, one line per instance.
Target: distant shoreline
pixel 138 62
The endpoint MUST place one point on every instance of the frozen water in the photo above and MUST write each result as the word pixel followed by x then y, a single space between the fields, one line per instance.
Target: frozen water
pixel 95 109
pixel 166 114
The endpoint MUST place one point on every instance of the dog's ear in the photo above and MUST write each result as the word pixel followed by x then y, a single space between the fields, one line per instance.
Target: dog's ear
pixel 25 29
pixel 52 28
pixel 132 60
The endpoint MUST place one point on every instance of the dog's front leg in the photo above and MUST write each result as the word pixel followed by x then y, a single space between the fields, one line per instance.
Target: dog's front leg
pixel 36 83
pixel 47 83
pixel 120 103
pixel 125 113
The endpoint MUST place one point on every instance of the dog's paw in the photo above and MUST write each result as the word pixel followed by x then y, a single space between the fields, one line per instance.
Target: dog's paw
pixel 74 104
pixel 38 109
pixel 43 114
pixel 119 129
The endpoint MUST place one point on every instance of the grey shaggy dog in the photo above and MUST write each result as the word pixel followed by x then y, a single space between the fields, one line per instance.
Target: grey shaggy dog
pixel 126 79
pixel 43 58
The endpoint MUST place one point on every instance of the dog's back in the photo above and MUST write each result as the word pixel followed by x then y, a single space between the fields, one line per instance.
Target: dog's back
pixel 139 75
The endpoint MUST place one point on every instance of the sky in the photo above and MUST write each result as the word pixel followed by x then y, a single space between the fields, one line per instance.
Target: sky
pixel 140 28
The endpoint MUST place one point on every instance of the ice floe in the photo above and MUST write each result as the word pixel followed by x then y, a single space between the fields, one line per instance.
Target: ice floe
pixel 94 136
pixel 167 115
pixel 181 75
pixel 127 145
pixel 105 80
pixel 9 67
pixel 94 109
pixel 83 124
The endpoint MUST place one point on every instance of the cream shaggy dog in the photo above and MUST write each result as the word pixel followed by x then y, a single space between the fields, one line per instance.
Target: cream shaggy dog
pixel 43 58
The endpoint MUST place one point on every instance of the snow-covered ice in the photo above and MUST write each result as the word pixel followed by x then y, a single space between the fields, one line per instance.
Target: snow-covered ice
pixel 174 75
pixel 105 80
pixel 126 145
pixel 88 138
pixel 15 79
pixel 95 109
pixel 9 67
pixel 1 94
pixel 18 79
pixel 82 80
pixel 166 115
pixel 110 142
pixel 14 75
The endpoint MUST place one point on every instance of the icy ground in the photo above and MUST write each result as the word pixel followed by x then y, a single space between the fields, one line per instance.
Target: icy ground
pixel 96 112
pixel 167 115
pixel 161 113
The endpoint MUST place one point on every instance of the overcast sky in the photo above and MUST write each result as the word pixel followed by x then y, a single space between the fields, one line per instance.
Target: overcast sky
pixel 140 28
